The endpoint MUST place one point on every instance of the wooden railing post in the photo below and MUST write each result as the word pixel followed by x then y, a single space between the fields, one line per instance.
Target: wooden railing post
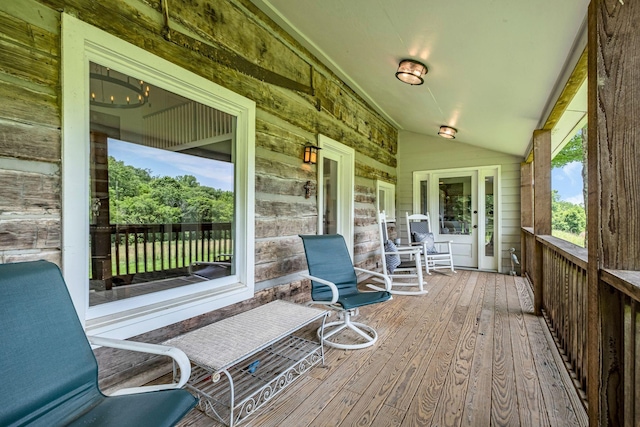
pixel 614 201
pixel 541 207
pixel 526 211
pixel 101 239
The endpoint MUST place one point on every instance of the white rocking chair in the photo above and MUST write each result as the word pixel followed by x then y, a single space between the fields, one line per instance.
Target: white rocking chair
pixel 399 262
pixel 437 254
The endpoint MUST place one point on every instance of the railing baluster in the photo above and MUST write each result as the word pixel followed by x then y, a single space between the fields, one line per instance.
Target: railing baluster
pixel 169 243
pixel 127 236
pixel 117 250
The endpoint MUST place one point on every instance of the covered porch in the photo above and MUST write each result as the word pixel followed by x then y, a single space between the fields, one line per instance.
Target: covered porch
pixel 471 352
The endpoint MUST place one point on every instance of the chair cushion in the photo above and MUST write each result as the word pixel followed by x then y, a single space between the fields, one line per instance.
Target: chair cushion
pixel 391 259
pixel 428 239
pixel 152 409
pixel 363 298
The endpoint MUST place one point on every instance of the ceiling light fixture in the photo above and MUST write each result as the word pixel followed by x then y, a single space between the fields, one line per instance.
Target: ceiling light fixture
pixel 447 132
pixel 411 72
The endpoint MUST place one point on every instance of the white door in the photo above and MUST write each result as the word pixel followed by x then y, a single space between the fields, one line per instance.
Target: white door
pixel 336 168
pixel 463 206
pixel 456 213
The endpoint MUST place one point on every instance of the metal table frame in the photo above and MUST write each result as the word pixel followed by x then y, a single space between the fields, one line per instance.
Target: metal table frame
pixel 258 354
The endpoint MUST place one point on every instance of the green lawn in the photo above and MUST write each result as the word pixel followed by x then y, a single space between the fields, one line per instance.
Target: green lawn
pixel 576 239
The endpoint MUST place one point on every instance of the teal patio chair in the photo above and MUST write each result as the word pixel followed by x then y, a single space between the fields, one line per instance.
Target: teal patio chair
pixel 49 374
pixel 334 284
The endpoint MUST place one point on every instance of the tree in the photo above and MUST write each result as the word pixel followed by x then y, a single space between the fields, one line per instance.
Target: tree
pixel 136 197
pixel 576 151
pixel 567 216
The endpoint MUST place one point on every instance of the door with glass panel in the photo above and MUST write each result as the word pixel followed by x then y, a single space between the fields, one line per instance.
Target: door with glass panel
pixel 455 216
pixel 335 189
pixel 463 206
pixel 451 199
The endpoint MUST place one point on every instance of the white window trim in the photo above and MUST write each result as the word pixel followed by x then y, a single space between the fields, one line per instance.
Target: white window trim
pixel 389 207
pixel 345 156
pixel 82 43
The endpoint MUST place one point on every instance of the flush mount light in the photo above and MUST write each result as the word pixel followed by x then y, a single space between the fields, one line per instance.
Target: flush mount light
pixel 411 72
pixel 447 132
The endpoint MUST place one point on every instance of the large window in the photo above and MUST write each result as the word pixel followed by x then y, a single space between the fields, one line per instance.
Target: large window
pixel 157 187
pixel 162 189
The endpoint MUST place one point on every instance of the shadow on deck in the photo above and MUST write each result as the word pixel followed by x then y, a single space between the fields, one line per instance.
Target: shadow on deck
pixel 469 353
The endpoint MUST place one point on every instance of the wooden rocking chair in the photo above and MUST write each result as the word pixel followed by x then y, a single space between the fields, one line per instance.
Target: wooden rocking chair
pixel 400 262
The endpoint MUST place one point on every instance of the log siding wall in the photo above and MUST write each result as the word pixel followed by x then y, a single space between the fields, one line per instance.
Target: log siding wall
pixel 30 137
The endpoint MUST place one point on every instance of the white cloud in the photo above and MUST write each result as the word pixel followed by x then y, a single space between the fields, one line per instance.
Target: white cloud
pixel 576 200
pixel 573 171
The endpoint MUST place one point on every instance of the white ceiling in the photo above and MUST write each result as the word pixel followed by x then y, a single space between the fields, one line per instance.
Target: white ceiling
pixel 494 65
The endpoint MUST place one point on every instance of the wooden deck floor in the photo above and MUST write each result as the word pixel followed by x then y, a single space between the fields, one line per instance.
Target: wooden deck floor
pixel 469 353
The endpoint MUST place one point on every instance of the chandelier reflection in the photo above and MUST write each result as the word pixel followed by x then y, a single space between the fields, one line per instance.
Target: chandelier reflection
pixel 112 89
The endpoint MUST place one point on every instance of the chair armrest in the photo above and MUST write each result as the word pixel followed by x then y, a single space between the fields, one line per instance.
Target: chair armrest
pixel 331 285
pixel 387 280
pixel 176 354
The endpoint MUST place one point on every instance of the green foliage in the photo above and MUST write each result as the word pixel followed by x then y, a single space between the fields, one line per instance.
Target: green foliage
pixel 136 197
pixel 572 152
pixel 567 216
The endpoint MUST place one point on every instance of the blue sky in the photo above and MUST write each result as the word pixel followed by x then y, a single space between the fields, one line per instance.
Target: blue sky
pixel 211 173
pixel 568 181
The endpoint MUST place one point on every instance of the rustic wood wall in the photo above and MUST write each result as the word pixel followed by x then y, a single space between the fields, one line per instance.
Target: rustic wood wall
pixel 29 134
pixel 231 43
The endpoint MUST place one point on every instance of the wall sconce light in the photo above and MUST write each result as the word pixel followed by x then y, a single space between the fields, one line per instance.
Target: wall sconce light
pixel 447 132
pixel 311 154
pixel 411 72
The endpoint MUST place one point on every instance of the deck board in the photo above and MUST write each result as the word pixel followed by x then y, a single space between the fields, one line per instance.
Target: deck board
pixel 468 353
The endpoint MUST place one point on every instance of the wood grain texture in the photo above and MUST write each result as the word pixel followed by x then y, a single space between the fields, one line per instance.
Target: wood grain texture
pixel 410 381
pixel 27 141
pixel 436 351
pixel 504 400
pixel 28 105
pixel 526 194
pixel 477 403
pixel 614 194
pixel 25 193
pixel 530 400
pixel 542 180
pixel 450 408
pixel 42 234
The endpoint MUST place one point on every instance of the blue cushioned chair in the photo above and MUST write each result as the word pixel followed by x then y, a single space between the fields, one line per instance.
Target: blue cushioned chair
pixel 334 284
pixel 49 375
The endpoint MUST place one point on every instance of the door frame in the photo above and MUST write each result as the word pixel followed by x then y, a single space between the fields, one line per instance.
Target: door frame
pixel 345 156
pixel 482 262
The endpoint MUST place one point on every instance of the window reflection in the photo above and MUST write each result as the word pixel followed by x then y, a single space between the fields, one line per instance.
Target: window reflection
pixel 330 176
pixel 162 189
pixel 488 215
pixel 455 205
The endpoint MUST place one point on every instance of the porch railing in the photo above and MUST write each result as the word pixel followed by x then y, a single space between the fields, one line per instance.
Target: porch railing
pixel 564 299
pixel 147 248
pixel 565 307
